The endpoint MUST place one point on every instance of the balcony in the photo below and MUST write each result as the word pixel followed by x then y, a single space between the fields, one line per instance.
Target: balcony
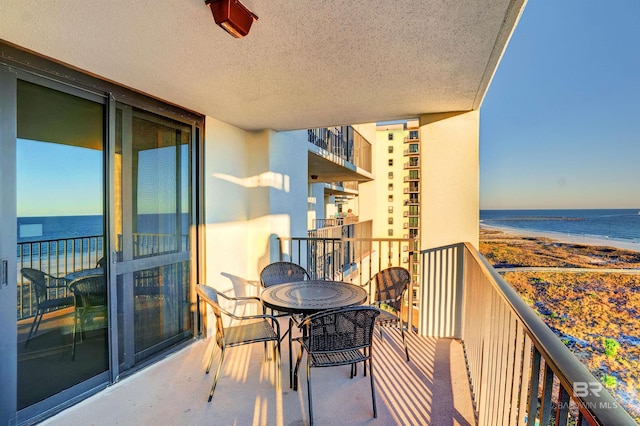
pixel 331 222
pixel 481 356
pixel 338 154
pixel 412 164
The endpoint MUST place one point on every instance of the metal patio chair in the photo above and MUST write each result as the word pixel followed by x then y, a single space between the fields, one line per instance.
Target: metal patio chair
pixel 282 272
pixel 47 289
pixel 337 337
pixel 391 284
pixel 252 329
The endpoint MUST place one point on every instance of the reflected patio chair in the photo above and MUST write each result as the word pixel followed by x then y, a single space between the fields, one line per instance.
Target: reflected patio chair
pixel 252 329
pixel 47 289
pixel 91 309
pixel 391 284
pixel 337 337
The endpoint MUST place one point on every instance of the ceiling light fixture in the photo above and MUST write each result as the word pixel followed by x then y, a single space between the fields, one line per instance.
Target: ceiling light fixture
pixel 232 16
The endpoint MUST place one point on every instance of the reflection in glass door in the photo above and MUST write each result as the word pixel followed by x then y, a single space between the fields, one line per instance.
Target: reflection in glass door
pixel 151 225
pixel 61 298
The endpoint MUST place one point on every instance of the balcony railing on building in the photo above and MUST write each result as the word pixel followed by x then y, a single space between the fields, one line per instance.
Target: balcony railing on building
pixel 350 185
pixel 412 200
pixel 344 142
pixel 413 163
pixel 334 221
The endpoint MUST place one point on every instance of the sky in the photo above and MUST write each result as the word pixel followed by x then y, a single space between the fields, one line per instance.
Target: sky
pixel 58 180
pixel 560 123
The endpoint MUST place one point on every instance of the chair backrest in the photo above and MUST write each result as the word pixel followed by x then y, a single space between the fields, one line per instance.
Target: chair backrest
pixel 341 329
pixel 391 283
pixel 282 272
pixel 210 296
pixel 89 291
pixel 39 281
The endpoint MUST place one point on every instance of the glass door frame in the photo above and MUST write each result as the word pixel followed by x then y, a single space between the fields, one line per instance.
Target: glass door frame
pixel 8 238
pixel 78 391
pixel 125 268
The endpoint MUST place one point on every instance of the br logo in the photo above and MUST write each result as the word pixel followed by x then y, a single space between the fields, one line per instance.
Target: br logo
pixel 582 389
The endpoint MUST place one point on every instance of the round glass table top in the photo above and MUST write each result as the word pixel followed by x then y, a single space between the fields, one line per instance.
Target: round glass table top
pixel 312 296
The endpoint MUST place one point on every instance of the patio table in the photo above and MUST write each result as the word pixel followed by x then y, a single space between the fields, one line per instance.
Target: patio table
pixel 83 273
pixel 308 297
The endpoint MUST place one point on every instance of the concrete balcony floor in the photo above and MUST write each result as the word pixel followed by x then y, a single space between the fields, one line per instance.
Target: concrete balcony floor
pixel 431 389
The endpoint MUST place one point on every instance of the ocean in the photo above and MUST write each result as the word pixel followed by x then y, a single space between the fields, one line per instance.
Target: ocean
pixel 612 224
pixel 48 228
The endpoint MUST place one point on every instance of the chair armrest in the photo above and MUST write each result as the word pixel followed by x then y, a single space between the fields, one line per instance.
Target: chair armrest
pixel 53 282
pixel 247 317
pixel 365 284
pixel 250 298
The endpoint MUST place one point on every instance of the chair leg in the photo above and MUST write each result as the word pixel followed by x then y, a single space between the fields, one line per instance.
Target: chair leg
pixel 373 391
pixel 213 352
pixel 404 341
pixel 73 336
pixel 215 379
pixel 309 391
pixel 278 372
pixel 34 329
pixel 291 375
pixel 295 372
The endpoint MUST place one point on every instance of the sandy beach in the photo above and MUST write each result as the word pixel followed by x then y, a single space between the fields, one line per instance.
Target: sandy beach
pixel 566 238
pixel 558 276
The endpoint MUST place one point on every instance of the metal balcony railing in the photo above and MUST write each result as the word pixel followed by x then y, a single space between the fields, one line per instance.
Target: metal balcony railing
pixel 336 221
pixel 354 260
pixel 520 372
pixel 350 185
pixel 344 142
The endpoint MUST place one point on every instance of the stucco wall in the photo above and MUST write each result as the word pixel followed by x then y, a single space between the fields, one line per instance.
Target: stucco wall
pixel 255 190
pixel 449 178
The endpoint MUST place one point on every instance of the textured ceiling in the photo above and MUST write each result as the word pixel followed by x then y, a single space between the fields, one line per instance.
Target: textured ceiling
pixel 304 63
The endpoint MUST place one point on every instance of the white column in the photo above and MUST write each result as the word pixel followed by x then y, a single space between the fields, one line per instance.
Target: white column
pixel 449 199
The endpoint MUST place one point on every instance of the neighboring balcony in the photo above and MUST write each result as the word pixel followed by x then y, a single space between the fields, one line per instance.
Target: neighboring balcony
pixel 414 149
pixel 414 199
pixel 338 154
pixel 336 221
pixel 341 190
pixel 413 163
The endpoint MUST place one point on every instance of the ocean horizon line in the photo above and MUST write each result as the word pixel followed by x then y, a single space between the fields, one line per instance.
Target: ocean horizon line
pixel 568 238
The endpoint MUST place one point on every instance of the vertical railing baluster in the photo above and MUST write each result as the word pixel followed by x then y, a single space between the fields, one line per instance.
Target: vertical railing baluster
pixel 534 382
pixel 562 411
pixel 527 358
pixel 547 390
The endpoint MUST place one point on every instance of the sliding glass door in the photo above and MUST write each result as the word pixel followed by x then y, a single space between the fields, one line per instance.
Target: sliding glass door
pixel 152 228
pixel 62 323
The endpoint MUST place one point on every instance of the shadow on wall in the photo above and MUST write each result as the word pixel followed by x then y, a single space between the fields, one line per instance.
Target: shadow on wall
pixel 266 179
pixel 271 254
